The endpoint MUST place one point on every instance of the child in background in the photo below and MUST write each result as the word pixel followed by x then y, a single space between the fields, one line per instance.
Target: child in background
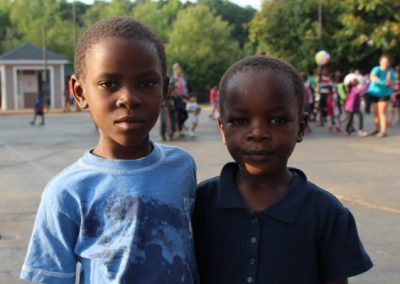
pixel 353 102
pixel 119 211
pixel 308 93
pixel 260 221
pixel 324 90
pixel 333 109
pixel 213 99
pixel 38 108
pixel 193 110
pixel 166 121
pixel 395 98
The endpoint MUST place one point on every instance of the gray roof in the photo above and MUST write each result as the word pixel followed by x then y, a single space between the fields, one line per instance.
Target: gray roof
pixel 29 51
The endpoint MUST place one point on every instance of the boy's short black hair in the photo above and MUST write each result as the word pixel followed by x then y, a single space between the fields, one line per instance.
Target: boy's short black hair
pixel 264 63
pixel 120 27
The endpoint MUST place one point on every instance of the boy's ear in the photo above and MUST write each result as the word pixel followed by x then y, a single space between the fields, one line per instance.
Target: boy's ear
pixel 79 93
pixel 221 130
pixel 303 126
pixel 166 87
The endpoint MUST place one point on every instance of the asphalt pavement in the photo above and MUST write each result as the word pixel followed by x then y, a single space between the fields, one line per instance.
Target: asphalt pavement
pixel 362 172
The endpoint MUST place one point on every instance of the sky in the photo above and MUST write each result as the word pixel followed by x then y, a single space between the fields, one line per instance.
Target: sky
pixel 256 4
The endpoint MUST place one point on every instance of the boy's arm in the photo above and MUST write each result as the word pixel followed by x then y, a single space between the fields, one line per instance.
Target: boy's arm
pixel 50 257
pixel 341 253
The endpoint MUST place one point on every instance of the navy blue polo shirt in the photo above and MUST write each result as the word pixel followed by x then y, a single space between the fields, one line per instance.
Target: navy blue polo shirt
pixel 307 236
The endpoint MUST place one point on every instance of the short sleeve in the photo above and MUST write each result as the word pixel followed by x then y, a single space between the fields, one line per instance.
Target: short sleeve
pixel 375 70
pixel 50 257
pixel 341 253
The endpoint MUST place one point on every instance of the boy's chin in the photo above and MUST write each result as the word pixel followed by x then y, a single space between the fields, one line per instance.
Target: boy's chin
pixel 255 170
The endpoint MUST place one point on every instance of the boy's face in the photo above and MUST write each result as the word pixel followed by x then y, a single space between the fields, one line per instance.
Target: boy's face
pixel 261 122
pixel 123 87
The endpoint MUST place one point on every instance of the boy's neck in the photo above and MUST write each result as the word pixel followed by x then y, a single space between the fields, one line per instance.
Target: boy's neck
pixel 122 153
pixel 259 192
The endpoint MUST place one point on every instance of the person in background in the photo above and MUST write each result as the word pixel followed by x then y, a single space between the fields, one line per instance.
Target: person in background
pixel 380 89
pixel 213 99
pixel 166 122
pixel 180 82
pixel 38 109
pixel 308 94
pixel 395 99
pixel 193 110
pixel 353 102
pixel 324 90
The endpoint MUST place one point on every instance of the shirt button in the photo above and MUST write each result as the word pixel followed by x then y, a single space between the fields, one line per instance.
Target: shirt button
pixel 253 240
pixel 249 279
pixel 254 221
pixel 252 260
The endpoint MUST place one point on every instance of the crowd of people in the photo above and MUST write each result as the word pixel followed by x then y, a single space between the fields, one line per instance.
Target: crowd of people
pixel 336 99
pixel 179 107
pixel 332 99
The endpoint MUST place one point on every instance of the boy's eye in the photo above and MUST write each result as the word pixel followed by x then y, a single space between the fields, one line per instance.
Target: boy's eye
pixel 237 121
pixel 277 121
pixel 109 85
pixel 147 84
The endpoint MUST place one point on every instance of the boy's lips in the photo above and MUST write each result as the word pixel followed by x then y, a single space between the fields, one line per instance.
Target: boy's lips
pixel 257 155
pixel 129 122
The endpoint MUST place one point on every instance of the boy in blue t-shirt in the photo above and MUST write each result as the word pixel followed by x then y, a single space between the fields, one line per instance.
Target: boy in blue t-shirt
pixel 119 211
pixel 260 221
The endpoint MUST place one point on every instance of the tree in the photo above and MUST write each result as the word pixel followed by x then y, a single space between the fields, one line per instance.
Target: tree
pixel 288 29
pixel 101 10
pixel 201 42
pixel 4 25
pixel 159 16
pixel 235 15
pixel 354 32
pixel 28 20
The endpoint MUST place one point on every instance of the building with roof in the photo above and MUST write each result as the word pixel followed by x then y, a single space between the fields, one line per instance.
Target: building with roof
pixel 23 75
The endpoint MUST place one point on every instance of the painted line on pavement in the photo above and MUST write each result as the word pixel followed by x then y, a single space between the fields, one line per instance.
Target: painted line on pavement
pixel 23 158
pixel 368 205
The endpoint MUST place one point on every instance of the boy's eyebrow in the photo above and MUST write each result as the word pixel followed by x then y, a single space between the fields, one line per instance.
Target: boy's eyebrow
pixel 109 74
pixel 279 107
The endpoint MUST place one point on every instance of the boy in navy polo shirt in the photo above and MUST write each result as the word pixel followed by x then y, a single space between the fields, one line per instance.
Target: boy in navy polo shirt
pixel 260 221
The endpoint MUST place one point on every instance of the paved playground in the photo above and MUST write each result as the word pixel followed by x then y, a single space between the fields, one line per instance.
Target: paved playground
pixel 362 172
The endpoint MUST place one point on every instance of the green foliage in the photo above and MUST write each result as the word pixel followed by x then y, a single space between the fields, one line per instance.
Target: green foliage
pixel 159 16
pixel 354 32
pixel 202 43
pixel 101 10
pixel 38 22
pixel 207 36
pixel 235 15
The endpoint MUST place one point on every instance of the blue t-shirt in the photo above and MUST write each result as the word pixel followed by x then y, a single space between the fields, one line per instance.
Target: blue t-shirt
pixel 379 88
pixel 306 237
pixel 124 221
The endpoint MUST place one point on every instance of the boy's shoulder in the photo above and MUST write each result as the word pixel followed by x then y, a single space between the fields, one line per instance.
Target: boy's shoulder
pixel 174 152
pixel 301 191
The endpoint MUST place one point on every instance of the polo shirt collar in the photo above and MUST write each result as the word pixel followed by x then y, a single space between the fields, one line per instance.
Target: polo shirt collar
pixel 285 209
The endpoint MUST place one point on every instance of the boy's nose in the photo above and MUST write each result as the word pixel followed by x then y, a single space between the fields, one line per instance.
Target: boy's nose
pixel 129 98
pixel 258 132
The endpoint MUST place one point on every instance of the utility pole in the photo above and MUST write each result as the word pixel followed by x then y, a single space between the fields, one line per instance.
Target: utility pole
pixel 45 85
pixel 74 22
pixel 320 23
